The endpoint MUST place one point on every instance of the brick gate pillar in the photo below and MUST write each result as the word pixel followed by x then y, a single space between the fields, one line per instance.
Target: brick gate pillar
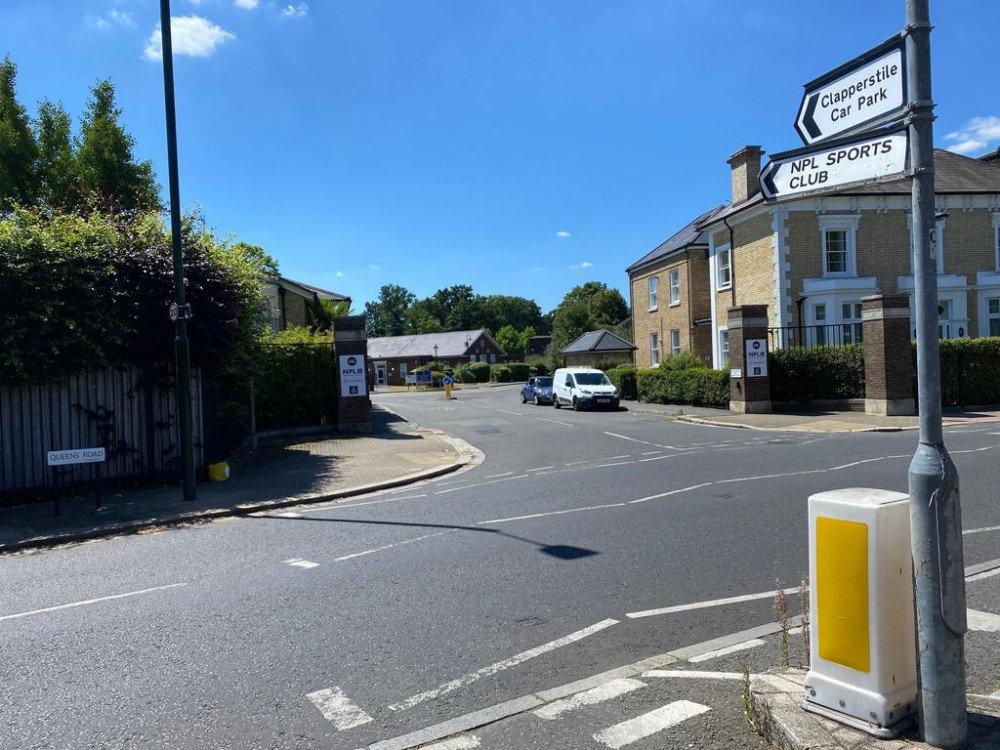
pixel 353 403
pixel 750 388
pixel 888 355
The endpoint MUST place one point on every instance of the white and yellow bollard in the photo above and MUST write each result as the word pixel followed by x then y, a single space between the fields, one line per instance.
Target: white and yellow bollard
pixel 863 669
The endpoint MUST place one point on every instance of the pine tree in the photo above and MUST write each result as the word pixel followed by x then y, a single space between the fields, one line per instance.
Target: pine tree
pixel 107 167
pixel 56 163
pixel 18 150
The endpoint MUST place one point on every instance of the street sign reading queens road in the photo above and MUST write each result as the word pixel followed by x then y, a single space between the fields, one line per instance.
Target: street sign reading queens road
pixel 864 93
pixel 870 158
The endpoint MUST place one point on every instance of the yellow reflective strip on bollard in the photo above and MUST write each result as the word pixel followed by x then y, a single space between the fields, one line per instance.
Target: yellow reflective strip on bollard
pixel 842 592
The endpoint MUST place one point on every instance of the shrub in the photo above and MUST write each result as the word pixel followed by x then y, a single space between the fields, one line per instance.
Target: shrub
pixel 501 374
pixel 538 365
pixel 624 380
pixel 969 371
pixel 684 360
pixel 473 372
pixel 699 386
pixel 295 385
pixel 803 375
pixel 612 362
pixel 519 370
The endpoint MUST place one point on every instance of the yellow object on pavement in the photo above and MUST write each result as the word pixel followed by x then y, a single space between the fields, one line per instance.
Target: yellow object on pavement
pixel 218 472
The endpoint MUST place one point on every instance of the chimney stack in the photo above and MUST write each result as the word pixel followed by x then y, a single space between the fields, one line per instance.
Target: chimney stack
pixel 745 164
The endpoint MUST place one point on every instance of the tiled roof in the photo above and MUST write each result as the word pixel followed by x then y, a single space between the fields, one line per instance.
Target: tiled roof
pixel 308 289
pixel 598 341
pixel 689 235
pixel 450 344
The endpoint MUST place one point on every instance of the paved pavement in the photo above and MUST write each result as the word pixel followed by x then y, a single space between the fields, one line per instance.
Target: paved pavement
pixel 586 548
pixel 278 474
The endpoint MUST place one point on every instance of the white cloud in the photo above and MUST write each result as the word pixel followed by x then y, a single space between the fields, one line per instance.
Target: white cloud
pixel 373 267
pixel 246 4
pixel 563 234
pixel 121 17
pixel 538 268
pixel 978 134
pixel 340 274
pixel 295 11
pixel 193 36
pixel 581 266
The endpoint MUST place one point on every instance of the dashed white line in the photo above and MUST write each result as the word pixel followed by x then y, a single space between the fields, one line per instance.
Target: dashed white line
pixel 707 604
pixel 298 562
pixel 479 484
pixel 89 601
pixel 633 440
pixel 615 458
pixel 515 413
pixel 605 466
pixel 980 531
pixel 499 666
pixel 340 506
pixel 671 492
pixel 494 476
pixel 542 468
pixel 550 513
pixel 650 453
pixel 554 421
pixel 754 643
pixel 338 709
pixel 643 726
pixel 391 546
pixel 599 694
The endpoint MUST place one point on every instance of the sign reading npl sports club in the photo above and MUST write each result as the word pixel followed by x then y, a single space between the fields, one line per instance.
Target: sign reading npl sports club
pixel 872 158
pixel 352 375
pixel 864 93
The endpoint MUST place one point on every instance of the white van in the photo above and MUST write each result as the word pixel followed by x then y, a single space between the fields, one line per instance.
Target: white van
pixel 583 388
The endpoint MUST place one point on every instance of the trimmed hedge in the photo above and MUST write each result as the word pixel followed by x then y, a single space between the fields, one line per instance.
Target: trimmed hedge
pixel 970 371
pixel 624 379
pixel 698 386
pixel 501 374
pixel 473 372
pixel 824 372
pixel 296 386
pixel 683 360
pixel 519 370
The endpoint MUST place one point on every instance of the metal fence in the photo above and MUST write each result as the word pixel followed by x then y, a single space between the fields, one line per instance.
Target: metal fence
pixel 808 337
pixel 132 415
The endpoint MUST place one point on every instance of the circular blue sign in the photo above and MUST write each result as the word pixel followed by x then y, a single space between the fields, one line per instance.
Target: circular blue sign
pixel 448 380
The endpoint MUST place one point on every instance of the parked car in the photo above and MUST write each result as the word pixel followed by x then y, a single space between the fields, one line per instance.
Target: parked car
pixel 583 388
pixel 538 390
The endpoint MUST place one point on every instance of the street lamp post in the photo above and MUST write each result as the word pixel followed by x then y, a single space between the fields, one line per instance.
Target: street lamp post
pixel 181 339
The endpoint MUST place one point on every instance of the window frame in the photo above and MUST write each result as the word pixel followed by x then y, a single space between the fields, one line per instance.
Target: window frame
pixel 652 291
pixel 852 327
pixel 848 224
pixel 675 340
pixel 674 283
pixel 992 316
pixel 727 251
pixel 654 349
pixel 724 347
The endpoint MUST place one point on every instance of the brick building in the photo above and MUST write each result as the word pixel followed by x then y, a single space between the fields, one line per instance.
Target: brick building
pixel 392 358
pixel 291 303
pixel 812 260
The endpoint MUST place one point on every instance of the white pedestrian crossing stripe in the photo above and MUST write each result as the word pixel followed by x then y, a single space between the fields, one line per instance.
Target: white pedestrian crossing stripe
pixel 643 726
pixel 607 691
pixel 298 562
pixel 985 622
pixel 338 709
pixel 464 742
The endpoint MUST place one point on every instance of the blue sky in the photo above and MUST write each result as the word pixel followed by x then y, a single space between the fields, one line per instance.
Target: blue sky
pixel 520 146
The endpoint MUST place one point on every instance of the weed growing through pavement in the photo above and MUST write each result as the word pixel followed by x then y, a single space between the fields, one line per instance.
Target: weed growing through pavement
pixel 804 621
pixel 748 709
pixel 781 612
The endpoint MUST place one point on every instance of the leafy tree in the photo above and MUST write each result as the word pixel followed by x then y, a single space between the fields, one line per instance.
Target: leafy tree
pixel 387 315
pixel 585 308
pixel 18 150
pixel 424 316
pixel 105 158
pixel 607 308
pixel 56 161
pixel 498 310
pixel 509 340
pixel 323 311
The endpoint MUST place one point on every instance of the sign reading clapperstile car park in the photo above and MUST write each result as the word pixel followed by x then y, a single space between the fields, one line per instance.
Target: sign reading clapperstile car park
pixel 837 121
pixel 855 161
pixel 866 92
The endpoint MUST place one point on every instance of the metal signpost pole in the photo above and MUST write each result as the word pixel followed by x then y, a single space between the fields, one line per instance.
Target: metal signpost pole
pixel 935 512
pixel 181 340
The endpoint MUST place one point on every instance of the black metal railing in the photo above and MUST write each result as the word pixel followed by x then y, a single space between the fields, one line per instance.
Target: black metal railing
pixel 808 337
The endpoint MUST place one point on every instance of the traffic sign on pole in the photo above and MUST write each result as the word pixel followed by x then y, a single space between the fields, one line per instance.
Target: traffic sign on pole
pixel 870 158
pixel 864 93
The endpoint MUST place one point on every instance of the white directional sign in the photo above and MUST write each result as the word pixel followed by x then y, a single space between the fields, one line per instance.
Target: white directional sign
pixel 879 156
pixel 864 93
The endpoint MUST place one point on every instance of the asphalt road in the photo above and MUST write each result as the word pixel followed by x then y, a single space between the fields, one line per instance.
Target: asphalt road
pixel 341 626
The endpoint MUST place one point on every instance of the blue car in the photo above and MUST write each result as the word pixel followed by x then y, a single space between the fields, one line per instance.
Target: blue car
pixel 537 390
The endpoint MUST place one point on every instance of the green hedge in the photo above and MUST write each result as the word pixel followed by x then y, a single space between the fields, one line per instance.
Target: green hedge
pixel 970 371
pixel 683 360
pixel 296 386
pixel 501 374
pixel 825 372
pixel 473 372
pixel 624 379
pixel 698 386
pixel 519 370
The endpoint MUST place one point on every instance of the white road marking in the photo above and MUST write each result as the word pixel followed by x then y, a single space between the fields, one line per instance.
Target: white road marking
pixel 542 468
pixel 984 574
pixel 707 604
pixel 289 515
pixel 465 742
pixel 479 484
pixel 605 466
pixel 577 463
pixel 339 506
pixel 500 666
pixel 554 421
pixel 635 440
pixel 657 458
pixel 650 453
pixel 643 726
pixel 391 546
pixel 984 622
pixel 691 674
pixel 980 531
pixel 298 562
pixel 727 650
pixel 515 413
pixel 89 601
pixel 671 492
pixel 338 709
pixel 494 476
pixel 615 458
pixel 604 692
pixel 550 513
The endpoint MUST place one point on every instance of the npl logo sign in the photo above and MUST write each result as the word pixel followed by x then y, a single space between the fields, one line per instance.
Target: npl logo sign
pixel 756 358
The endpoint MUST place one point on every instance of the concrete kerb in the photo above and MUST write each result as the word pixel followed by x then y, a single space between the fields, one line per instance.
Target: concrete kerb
pixel 468 456
pixel 715 423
